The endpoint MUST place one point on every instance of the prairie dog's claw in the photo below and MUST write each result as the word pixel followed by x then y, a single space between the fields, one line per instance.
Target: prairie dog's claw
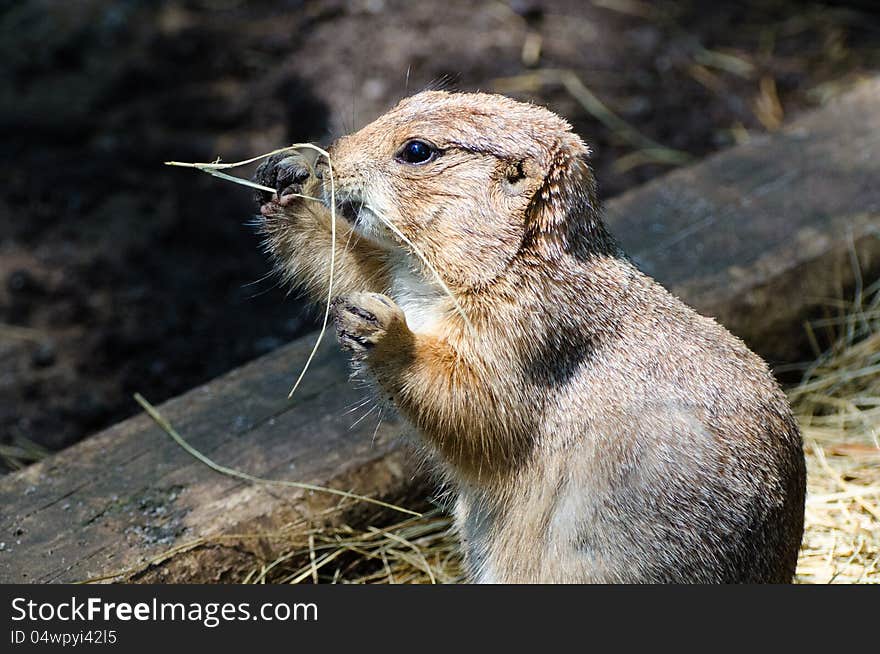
pixel 364 319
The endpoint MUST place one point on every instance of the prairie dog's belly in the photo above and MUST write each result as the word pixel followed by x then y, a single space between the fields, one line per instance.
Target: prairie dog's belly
pixel 476 527
pixel 515 544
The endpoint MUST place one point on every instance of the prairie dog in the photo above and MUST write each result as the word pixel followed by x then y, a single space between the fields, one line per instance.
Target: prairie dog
pixel 595 428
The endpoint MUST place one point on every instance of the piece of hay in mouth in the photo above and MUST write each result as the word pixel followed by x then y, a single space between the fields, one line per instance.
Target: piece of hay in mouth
pixel 216 169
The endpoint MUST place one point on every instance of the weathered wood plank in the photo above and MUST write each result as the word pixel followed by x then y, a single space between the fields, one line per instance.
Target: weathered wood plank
pixel 759 234
pixel 755 236
pixel 130 492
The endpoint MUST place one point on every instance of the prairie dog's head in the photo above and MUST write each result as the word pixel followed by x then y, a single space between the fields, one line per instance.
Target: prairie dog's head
pixel 468 178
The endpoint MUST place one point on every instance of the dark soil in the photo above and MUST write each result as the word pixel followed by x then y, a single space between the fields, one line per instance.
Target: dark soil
pixel 118 274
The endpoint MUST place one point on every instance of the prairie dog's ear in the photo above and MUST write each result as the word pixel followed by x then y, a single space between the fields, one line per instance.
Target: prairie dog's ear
pixel 567 192
pixel 520 177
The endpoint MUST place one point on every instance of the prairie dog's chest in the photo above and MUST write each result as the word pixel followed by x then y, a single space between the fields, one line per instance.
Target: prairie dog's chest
pixel 420 300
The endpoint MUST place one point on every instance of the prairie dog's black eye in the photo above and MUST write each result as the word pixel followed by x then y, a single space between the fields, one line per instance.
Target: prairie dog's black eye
pixel 417 152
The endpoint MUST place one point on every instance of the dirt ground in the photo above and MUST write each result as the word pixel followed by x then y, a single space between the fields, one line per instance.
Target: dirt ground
pixel 118 274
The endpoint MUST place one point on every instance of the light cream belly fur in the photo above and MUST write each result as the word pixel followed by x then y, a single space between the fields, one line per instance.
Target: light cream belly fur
pixel 419 299
pixel 530 539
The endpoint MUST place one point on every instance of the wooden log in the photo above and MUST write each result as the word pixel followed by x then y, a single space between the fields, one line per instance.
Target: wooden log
pixel 756 236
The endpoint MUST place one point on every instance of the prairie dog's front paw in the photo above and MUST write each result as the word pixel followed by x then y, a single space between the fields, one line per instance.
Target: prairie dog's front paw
pixel 286 172
pixel 364 319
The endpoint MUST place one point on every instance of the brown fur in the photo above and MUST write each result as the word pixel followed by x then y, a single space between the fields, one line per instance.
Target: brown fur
pixel 596 428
